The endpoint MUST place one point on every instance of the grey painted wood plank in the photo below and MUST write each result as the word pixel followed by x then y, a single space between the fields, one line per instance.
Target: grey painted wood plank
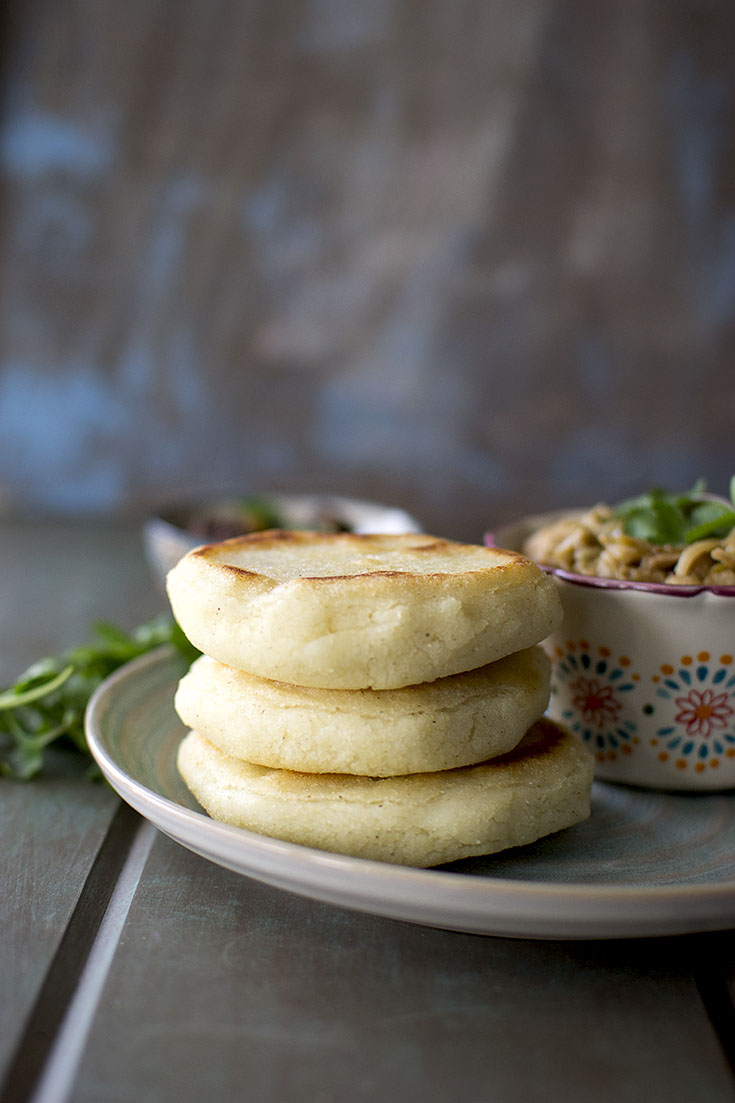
pixel 224 988
pixel 58 578
pixel 51 831
pixel 55 581
pixel 51 1076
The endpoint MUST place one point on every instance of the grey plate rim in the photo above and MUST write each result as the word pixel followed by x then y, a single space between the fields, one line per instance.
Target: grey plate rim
pixel 432 897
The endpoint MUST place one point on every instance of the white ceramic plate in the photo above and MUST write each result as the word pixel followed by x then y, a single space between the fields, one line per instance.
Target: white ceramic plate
pixel 645 863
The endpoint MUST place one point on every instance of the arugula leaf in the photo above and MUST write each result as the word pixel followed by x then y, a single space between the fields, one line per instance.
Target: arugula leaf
pixel 663 518
pixel 47 703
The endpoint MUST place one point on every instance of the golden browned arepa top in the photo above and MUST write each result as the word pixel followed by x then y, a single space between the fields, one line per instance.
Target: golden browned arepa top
pixel 352 611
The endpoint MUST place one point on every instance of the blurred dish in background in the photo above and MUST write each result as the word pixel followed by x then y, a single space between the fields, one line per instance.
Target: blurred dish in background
pixel 171 533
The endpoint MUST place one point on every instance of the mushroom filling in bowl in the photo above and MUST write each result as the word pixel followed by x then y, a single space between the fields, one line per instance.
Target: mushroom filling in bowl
pixel 680 539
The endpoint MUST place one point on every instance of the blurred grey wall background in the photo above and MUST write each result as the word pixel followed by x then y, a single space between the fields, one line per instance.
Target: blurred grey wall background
pixel 472 257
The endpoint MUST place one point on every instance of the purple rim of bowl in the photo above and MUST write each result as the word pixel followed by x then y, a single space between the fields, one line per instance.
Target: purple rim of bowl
pixel 594 583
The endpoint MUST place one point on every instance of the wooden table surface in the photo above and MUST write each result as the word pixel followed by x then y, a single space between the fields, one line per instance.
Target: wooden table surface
pixel 134 971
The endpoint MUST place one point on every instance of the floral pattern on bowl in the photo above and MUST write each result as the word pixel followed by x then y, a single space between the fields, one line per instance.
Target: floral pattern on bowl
pixel 697 712
pixel 595 688
pixel 691 705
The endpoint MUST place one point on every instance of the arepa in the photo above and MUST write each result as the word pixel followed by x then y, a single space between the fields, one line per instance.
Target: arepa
pixel 422 819
pixel 439 725
pixel 348 611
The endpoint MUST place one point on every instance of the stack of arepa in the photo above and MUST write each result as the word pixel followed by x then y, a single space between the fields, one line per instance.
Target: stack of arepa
pixel 375 695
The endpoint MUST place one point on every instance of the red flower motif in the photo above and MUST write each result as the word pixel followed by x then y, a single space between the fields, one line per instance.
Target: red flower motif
pixel 596 702
pixel 703 712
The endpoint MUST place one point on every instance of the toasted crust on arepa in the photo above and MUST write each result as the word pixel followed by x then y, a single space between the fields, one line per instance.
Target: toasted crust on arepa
pixel 348 611
pixel 453 721
pixel 421 819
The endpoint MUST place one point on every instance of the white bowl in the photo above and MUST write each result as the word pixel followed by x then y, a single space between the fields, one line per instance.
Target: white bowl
pixel 166 537
pixel 644 673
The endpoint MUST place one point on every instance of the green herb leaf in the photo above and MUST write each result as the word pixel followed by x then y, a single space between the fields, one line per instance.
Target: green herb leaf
pixel 656 517
pixel 709 523
pixel 663 518
pixel 46 706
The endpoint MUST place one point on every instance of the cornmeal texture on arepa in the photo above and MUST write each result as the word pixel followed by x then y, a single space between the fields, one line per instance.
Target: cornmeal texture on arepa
pixel 422 819
pixel 452 721
pixel 354 611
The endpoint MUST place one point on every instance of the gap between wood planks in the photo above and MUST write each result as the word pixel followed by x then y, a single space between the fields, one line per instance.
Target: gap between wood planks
pixel 52 1045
